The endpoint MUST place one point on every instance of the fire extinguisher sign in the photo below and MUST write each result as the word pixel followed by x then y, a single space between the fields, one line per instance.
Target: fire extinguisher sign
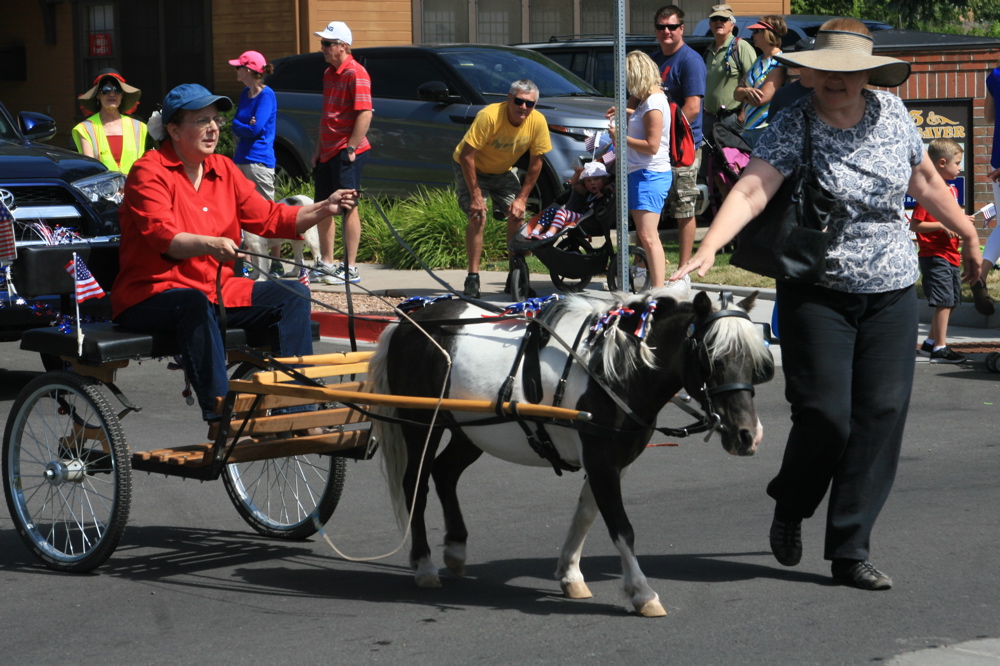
pixel 100 44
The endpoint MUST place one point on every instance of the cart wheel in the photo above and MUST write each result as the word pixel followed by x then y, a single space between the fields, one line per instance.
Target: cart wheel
pixel 580 246
pixel 66 472
pixel 520 281
pixel 284 498
pixel 993 362
pixel 638 274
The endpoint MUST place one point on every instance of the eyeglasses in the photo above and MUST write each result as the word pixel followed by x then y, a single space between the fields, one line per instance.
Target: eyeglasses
pixel 327 44
pixel 524 102
pixel 110 90
pixel 714 19
pixel 202 123
pixel 668 26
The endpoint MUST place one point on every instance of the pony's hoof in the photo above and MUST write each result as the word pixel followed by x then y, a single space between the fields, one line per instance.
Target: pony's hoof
pixel 652 608
pixel 454 558
pixel 576 590
pixel 428 581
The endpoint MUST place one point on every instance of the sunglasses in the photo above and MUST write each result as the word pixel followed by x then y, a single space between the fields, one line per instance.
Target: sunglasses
pixel 110 90
pixel 202 123
pixel 327 44
pixel 716 19
pixel 668 26
pixel 524 102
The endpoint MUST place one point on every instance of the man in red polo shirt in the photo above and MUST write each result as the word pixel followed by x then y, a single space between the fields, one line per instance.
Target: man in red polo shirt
pixel 342 148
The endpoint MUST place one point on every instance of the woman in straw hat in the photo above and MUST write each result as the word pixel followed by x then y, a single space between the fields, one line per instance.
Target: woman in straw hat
pixel 115 139
pixel 847 342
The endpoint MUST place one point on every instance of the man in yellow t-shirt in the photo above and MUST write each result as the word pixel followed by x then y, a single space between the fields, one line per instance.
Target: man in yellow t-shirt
pixel 501 133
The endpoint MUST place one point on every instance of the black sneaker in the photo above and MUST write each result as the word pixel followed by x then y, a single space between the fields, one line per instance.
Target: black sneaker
pixel 860 574
pixel 786 541
pixel 947 355
pixel 472 285
pixel 926 349
pixel 277 269
pixel 981 296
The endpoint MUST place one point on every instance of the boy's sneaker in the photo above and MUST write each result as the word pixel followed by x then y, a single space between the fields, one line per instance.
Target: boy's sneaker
pixel 926 349
pixel 277 269
pixel 323 272
pixel 947 355
pixel 350 275
pixel 472 285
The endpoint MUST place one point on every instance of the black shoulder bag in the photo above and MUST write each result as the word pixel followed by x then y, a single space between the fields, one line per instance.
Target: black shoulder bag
pixel 789 239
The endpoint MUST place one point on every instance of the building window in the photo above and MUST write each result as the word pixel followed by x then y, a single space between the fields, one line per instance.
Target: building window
pixel 498 22
pixel 101 43
pixel 445 21
pixel 550 17
pixel 596 17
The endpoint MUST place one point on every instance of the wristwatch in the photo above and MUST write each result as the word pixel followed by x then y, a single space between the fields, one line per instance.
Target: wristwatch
pixel 350 150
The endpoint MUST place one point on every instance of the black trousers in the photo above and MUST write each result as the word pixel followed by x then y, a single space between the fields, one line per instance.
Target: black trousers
pixel 848 362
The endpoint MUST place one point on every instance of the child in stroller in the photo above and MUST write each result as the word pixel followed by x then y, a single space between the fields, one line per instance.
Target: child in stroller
pixel 560 236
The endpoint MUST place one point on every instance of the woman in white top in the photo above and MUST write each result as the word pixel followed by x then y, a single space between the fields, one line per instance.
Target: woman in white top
pixel 648 141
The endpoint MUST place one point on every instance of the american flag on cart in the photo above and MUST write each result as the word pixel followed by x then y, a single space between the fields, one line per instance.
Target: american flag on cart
pixel 8 251
pixel 86 285
pixel 304 276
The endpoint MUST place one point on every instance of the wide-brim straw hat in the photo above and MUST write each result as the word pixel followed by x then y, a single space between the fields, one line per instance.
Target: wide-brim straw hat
pixel 845 51
pixel 130 94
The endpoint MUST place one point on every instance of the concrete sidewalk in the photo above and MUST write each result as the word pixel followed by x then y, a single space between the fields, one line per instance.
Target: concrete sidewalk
pixel 968 328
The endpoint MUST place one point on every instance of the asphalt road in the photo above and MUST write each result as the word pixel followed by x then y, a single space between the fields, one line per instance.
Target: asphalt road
pixel 191 582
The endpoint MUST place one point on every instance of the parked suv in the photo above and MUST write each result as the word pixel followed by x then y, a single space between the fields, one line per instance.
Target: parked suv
pixel 57 187
pixel 425 98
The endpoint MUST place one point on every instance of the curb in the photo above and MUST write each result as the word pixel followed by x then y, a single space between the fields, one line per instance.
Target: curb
pixel 334 325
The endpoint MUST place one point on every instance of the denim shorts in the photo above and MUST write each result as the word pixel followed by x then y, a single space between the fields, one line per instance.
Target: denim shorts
pixel 648 190
pixel 338 173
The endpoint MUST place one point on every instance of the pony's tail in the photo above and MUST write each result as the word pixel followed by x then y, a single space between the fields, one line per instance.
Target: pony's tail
pixel 388 435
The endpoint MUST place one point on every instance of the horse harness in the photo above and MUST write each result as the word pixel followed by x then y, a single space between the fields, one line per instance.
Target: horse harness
pixel 527 358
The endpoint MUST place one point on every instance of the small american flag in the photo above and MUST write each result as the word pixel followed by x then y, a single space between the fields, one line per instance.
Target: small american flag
pixel 609 156
pixel 8 251
pixel 304 276
pixel 86 285
pixel 593 140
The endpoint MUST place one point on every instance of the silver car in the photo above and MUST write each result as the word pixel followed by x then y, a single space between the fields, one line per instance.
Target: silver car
pixel 425 98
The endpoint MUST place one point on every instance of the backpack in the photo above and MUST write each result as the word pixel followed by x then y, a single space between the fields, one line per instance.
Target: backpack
pixel 682 148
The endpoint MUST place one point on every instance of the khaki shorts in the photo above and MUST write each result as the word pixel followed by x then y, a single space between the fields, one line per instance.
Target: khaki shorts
pixel 501 188
pixel 683 198
pixel 261 176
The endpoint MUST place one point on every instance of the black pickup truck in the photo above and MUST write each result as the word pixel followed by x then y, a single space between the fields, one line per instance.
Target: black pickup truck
pixel 50 189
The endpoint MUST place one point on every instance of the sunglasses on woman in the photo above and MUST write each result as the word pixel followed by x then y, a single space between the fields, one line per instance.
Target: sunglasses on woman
pixel 110 90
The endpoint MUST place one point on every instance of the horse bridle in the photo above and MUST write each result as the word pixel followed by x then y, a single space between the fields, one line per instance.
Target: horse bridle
pixel 695 346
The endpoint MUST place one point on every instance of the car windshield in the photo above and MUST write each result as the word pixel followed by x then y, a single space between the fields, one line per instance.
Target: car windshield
pixel 491 71
pixel 6 130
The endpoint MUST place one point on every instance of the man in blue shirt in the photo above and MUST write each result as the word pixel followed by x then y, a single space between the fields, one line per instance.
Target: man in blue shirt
pixel 683 72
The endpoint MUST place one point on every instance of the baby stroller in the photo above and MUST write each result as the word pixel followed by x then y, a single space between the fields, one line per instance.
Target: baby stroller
pixel 728 154
pixel 574 241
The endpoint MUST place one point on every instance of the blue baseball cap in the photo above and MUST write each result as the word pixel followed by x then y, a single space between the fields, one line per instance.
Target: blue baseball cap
pixel 191 96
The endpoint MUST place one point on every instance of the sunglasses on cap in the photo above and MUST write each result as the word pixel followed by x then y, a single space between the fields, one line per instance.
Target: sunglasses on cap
pixel 325 43
pixel 110 90
pixel 668 26
pixel 524 102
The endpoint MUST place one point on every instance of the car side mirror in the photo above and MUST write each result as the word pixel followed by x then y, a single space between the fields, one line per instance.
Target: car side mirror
pixel 36 126
pixel 437 92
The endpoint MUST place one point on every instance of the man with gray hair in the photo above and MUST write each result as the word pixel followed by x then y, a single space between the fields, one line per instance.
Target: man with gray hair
pixel 499 136
pixel 727 60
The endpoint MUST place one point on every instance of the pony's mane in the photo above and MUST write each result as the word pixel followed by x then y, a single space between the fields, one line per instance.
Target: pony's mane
pixel 737 336
pixel 621 352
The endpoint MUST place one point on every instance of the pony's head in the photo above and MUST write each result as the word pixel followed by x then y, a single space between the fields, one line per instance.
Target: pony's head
pixel 725 356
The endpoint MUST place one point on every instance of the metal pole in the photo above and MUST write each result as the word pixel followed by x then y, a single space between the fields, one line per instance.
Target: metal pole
pixel 621 178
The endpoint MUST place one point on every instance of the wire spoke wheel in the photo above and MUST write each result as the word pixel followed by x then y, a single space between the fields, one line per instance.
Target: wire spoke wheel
pixel 285 498
pixel 67 472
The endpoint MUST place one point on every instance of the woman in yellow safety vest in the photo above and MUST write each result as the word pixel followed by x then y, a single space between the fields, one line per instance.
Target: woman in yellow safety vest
pixel 112 137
